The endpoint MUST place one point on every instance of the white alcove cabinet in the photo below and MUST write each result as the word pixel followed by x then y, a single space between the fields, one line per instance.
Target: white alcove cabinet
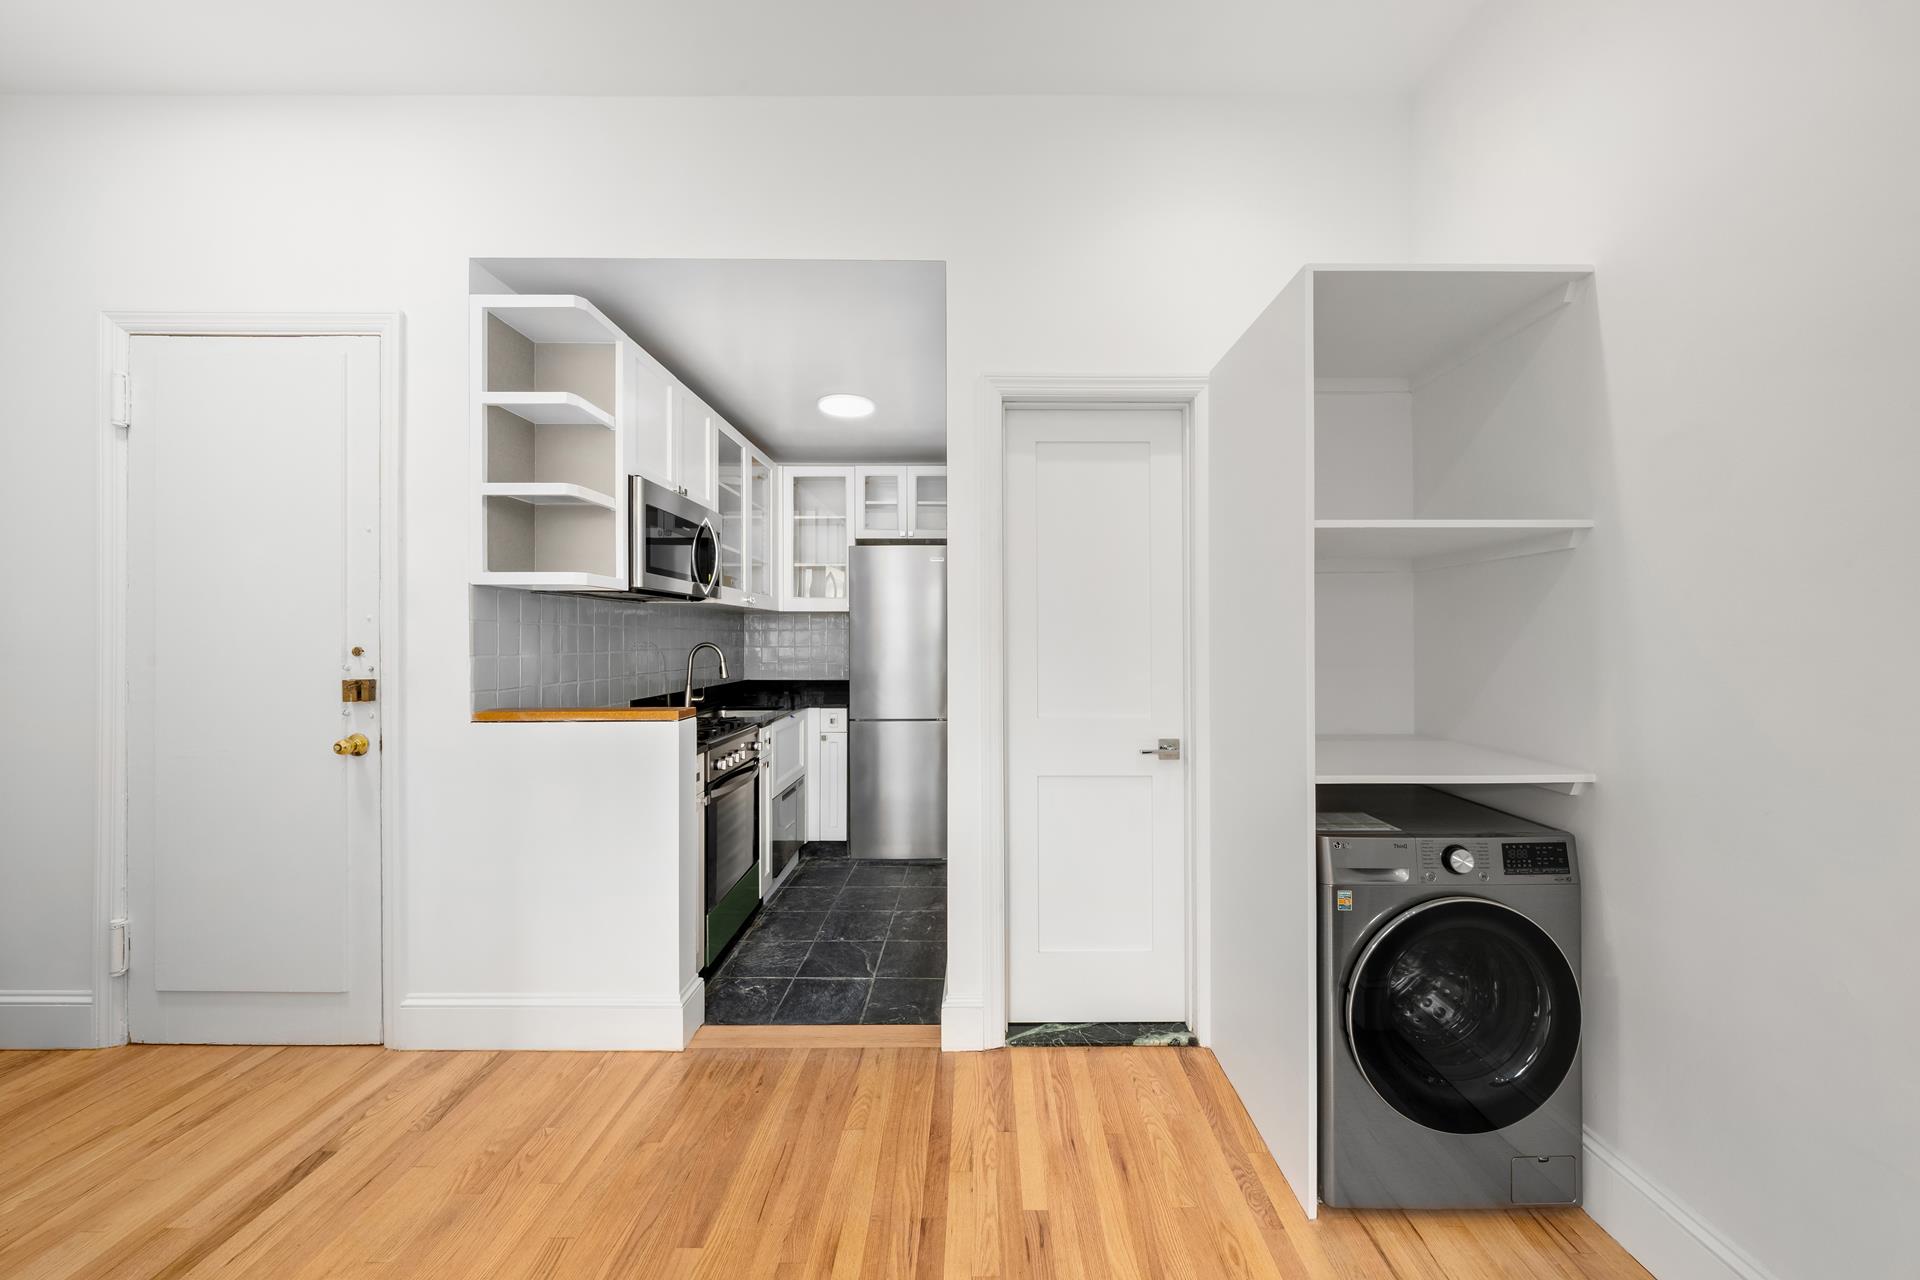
pixel 1454 424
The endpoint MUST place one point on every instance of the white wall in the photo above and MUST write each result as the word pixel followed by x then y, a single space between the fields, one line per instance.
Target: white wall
pixel 1743 177
pixel 1081 235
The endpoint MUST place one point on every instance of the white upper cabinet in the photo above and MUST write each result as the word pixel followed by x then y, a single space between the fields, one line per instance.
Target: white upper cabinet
pixel 731 482
pixel 760 540
pixel 819 533
pixel 696 442
pixel 647 416
pixel 901 502
pixel 882 508
pixel 567 409
pixel 744 483
pixel 927 505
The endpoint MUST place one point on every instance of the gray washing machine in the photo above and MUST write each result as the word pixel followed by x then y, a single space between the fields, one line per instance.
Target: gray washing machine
pixel 1449 1003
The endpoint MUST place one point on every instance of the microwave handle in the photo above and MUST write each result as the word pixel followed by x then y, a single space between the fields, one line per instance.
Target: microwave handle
pixel 713 541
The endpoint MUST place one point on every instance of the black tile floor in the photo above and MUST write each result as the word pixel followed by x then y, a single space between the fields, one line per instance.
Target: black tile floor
pixel 840 942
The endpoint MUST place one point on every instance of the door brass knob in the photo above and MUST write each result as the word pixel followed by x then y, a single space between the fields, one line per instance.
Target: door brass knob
pixel 354 744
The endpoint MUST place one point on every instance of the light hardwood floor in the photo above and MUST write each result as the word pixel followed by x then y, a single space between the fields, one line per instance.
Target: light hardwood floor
pixel 724 1162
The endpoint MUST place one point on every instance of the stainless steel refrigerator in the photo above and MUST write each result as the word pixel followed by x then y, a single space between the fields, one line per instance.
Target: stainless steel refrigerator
pixel 897 713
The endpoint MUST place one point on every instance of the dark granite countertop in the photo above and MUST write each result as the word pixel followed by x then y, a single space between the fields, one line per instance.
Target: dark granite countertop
pixel 759 695
pixel 716 727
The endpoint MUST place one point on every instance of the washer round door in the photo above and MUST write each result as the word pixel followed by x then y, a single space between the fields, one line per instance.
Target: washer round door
pixel 1463 1015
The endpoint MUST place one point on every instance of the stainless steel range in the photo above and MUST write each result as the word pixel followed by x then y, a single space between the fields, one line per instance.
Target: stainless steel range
pixel 730 806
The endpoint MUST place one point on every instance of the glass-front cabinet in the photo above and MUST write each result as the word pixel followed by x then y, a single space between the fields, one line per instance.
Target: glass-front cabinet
pixel 759 530
pixel 883 508
pixel 730 478
pixel 927 512
pixel 901 502
pixel 820 504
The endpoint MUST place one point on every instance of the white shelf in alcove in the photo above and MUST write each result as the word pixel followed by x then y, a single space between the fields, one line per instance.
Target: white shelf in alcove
pixel 1438 544
pixel 1414 760
pixel 549 408
pixel 551 317
pixel 549 494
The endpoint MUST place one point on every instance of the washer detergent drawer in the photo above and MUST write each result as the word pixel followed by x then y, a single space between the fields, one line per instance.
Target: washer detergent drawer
pixel 1546 1180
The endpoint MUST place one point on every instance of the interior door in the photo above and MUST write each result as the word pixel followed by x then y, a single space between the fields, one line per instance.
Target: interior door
pixel 1096 677
pixel 253 536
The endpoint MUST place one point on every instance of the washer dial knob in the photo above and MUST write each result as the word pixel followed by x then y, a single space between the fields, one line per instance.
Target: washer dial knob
pixel 1458 858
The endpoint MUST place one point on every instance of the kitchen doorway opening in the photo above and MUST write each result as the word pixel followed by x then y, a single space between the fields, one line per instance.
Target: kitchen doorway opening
pixel 780 449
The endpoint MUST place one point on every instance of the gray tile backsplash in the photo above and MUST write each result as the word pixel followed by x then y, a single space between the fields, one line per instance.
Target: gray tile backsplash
pixel 796 646
pixel 541 649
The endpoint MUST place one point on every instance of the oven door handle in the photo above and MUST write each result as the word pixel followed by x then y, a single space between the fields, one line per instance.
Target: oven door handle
pixel 739 776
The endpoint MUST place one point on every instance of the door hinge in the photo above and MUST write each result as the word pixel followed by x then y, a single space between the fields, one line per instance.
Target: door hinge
pixel 361 690
pixel 122 411
pixel 119 948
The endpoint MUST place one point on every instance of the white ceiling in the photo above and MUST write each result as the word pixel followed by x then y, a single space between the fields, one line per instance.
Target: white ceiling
pixel 828 47
pixel 761 341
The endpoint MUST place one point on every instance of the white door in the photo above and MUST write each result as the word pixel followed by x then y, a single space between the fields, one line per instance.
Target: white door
pixel 253 537
pixel 1096 676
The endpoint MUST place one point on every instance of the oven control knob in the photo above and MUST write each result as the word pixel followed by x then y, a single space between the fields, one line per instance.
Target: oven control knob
pixel 1459 860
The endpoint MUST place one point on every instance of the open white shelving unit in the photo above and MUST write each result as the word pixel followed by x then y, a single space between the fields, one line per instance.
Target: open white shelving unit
pixel 551 475
pixel 1451 429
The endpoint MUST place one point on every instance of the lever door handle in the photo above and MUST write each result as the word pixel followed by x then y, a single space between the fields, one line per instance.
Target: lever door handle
pixel 1166 749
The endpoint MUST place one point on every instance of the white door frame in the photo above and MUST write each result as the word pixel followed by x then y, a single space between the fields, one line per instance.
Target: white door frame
pixel 117 328
pixel 999 393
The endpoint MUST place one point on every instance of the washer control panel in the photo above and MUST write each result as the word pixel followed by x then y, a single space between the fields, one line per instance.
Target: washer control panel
pixel 1536 858
pixel 1435 843
pixel 1463 858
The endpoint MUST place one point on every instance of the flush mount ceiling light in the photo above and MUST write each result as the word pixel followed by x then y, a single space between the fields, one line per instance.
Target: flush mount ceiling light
pixel 842 405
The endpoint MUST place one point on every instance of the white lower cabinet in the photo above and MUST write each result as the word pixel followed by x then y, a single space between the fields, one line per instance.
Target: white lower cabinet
pixel 829 775
pixel 789 750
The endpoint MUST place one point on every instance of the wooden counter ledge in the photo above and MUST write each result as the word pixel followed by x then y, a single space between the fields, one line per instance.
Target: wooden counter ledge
pixel 549 715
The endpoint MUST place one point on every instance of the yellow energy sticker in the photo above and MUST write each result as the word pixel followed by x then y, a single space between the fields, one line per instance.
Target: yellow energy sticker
pixel 1343 899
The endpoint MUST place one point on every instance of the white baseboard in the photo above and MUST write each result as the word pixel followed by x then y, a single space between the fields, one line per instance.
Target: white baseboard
pixel 46 1020
pixel 693 1009
pixel 963 1025
pixel 545 1020
pixel 1667 1237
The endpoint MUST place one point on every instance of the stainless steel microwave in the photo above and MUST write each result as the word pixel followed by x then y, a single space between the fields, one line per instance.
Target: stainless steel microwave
pixel 675 550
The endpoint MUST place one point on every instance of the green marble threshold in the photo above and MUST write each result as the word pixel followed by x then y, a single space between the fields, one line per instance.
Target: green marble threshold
pixel 1099 1034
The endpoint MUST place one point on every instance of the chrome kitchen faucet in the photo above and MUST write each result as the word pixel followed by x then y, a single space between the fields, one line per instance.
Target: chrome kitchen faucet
pixel 691 655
